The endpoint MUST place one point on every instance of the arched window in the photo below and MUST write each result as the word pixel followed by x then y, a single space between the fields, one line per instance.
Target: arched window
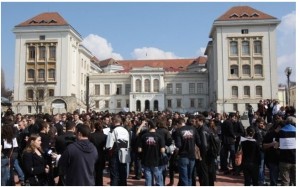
pixel 234 71
pixel 258 70
pixel 246 91
pixel 138 105
pixel 235 92
pixel 246 70
pixel 156 85
pixel 257 47
pixel 147 85
pixel 138 85
pixel 155 104
pixel 30 94
pixel 51 74
pixel 233 48
pixel 258 90
pixel 30 74
pixel 245 48
pixel 41 75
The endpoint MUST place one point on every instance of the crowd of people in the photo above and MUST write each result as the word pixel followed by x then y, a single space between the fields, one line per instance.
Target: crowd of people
pixel 77 148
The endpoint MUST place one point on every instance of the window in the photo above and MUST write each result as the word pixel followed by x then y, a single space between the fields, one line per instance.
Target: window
pixel 234 90
pixel 97 89
pixel 127 89
pixel 138 85
pixel 119 89
pixel 147 85
pixel 127 103
pixel 234 70
pixel 258 70
pixel 30 74
pixel 178 88
pixel 106 104
pixel 42 37
pixel 235 107
pixel 245 31
pixel 192 103
pixel 192 88
pixel 118 103
pixel 200 103
pixel 31 53
pixel 52 74
pixel 51 92
pixel 246 70
pixel 178 103
pixel 52 52
pixel 30 94
pixel 106 89
pixel 97 104
pixel 169 88
pixel 258 90
pixel 233 48
pixel 169 103
pixel 200 88
pixel 42 53
pixel 245 48
pixel 29 109
pixel 40 94
pixel 257 47
pixel 246 91
pixel 41 75
pixel 156 85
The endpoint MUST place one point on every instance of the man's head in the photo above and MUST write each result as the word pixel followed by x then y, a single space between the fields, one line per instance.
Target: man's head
pixel 82 132
pixel 117 120
pixel 233 117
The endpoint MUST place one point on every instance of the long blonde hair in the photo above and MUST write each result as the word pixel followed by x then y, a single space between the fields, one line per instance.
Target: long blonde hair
pixel 29 147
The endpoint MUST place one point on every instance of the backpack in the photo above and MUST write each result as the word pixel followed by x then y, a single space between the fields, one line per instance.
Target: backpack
pixel 214 145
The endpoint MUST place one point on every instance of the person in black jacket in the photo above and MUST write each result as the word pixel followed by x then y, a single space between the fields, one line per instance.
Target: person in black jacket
pixel 228 142
pixel 79 159
pixel 34 163
pixel 251 158
pixel 98 138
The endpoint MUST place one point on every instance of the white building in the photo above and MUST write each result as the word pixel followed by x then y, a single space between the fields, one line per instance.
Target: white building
pixel 242 57
pixel 240 69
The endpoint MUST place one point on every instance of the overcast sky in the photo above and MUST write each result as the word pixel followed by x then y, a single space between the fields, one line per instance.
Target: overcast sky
pixel 151 30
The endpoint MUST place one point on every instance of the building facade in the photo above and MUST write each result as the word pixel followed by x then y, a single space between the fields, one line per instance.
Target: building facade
pixel 55 73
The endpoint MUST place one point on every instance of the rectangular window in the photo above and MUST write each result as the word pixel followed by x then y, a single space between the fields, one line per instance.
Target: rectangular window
pixel 192 103
pixel 52 52
pixel 246 91
pixel 119 89
pixel 245 48
pixel 106 89
pixel 178 101
pixel 97 104
pixel 234 90
pixel 42 37
pixel 106 105
pixel 235 107
pixel 200 103
pixel 257 47
pixel 169 88
pixel 29 109
pixel 246 70
pixel 51 92
pixel 127 103
pixel 31 53
pixel 178 88
pixel 51 74
pixel 192 88
pixel 200 88
pixel 244 31
pixel 97 89
pixel 258 91
pixel 42 53
pixel 40 94
pixel 30 94
pixel 127 89
pixel 119 104
pixel 233 48
pixel 169 103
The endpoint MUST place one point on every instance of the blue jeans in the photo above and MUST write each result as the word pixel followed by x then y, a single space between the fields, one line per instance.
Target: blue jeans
pixel 5 171
pixel 185 166
pixel 261 174
pixel 19 170
pixel 274 173
pixel 150 172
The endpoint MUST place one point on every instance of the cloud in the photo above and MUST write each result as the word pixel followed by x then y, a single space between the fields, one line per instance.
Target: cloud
pixel 286 47
pixel 201 51
pixel 152 53
pixel 100 47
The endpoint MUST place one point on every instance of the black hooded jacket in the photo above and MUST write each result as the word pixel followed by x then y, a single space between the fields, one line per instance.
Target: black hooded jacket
pixel 78 161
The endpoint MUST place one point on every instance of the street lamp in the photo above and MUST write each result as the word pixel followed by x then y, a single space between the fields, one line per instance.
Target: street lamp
pixel 288 72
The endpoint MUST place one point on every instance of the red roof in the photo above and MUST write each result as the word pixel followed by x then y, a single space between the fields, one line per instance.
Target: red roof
pixel 45 19
pixel 166 64
pixel 244 13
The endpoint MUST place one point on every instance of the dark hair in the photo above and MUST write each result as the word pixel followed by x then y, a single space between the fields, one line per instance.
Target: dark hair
pixel 151 124
pixel 70 125
pixel 98 126
pixel 84 130
pixel 7 132
pixel 250 131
